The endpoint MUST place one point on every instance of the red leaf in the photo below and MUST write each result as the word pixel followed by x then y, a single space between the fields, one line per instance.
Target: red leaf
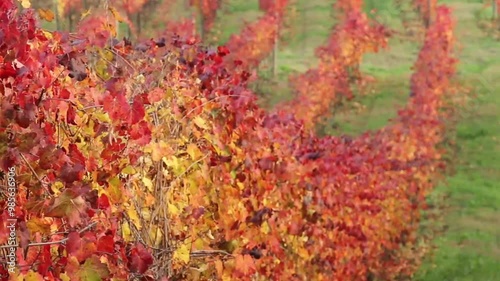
pixel 71 173
pixel 106 244
pixel 156 95
pixel 103 202
pixel 81 247
pixel 140 259
pixel 48 158
pixel 24 235
pixel 117 106
pixel 44 260
pixel 141 133
pixel 64 94
pixel 137 112
pixel 70 115
pixel 198 212
pixel 23 119
pixel 7 70
pixel 222 51
pixel 75 155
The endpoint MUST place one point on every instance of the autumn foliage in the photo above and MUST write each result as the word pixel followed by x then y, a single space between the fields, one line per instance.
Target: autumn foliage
pixel 257 39
pixel 208 12
pixel 185 28
pixel 153 161
pixel 277 6
pixel 426 9
pixel 320 88
pixel 68 7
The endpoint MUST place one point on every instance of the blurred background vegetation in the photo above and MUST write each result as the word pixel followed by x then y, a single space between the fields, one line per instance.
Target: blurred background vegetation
pixel 468 246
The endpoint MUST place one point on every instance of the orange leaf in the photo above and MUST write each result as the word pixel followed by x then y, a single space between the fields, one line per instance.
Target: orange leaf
pixel 245 264
pixel 219 266
pixel 46 14
pixel 156 95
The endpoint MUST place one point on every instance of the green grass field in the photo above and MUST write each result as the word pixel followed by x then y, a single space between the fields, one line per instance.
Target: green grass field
pixel 469 248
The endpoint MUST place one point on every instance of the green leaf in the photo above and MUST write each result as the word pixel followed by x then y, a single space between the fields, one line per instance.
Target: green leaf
pixel 69 206
pixel 129 170
pixel 93 270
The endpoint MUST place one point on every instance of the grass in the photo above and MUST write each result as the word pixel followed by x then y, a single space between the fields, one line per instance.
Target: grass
pixel 469 249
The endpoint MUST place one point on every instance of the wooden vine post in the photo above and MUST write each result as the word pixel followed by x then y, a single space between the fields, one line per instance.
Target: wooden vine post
pixel 276 44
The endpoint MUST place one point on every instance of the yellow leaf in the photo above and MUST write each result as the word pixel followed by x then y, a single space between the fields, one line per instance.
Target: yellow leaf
pixel 64 277
pixel 149 148
pixel 192 185
pixel 16 275
pixel 47 34
pixel 148 183
pixel 140 79
pixel 39 225
pixel 182 253
pixel 203 267
pixel 134 217
pixel 46 14
pixel 241 185
pixel 86 13
pixel 158 150
pixel 33 276
pixel 176 164
pixel 101 69
pixel 126 232
pixel 56 187
pixel 264 228
pixel 198 244
pixel 155 235
pixel 193 151
pixel 115 190
pixel 25 3
pixel 103 117
pixel 200 122
pixel 146 214
pixel 116 14
pixel 106 54
pixel 303 253
pixel 172 209
pixel 129 170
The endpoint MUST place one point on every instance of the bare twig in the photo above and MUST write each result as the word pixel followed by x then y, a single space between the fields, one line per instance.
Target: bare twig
pixel 190 166
pixel 31 168
pixel 212 100
pixel 205 253
pixel 62 241
pixel 90 107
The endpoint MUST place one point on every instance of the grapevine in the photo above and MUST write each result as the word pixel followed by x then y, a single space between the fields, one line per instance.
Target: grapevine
pixel 153 161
